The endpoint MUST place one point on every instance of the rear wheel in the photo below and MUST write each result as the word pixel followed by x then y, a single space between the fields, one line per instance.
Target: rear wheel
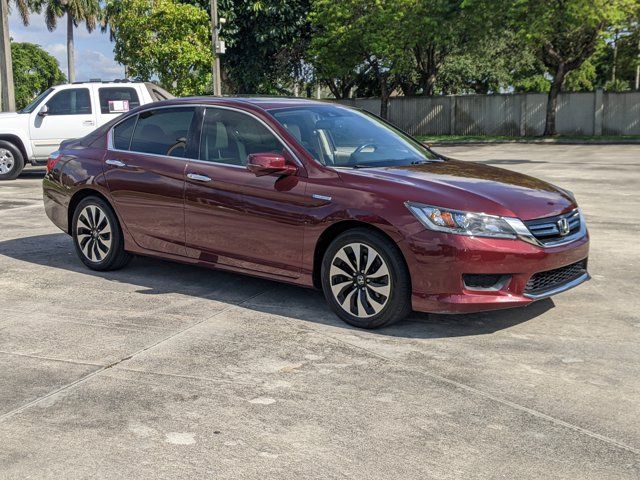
pixel 11 161
pixel 97 235
pixel 365 279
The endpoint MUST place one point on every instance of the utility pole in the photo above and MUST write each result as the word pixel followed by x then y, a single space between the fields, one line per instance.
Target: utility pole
pixel 6 67
pixel 217 82
pixel 638 67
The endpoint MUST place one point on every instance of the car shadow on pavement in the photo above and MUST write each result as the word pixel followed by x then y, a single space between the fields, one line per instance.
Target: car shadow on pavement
pixel 32 172
pixel 157 277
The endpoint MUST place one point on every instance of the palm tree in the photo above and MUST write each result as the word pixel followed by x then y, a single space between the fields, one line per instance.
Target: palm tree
pixel 6 69
pixel 76 11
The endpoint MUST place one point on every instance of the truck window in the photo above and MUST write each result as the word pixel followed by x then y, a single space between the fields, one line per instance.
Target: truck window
pixel 117 99
pixel 73 101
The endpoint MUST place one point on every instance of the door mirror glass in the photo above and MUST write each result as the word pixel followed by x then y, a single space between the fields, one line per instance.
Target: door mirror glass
pixel 44 111
pixel 262 164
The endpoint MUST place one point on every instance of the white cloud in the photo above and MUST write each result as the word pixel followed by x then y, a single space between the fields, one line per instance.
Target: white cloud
pixel 93 64
pixel 94 52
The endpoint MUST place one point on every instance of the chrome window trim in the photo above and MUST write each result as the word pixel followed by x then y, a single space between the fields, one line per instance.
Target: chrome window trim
pixel 111 148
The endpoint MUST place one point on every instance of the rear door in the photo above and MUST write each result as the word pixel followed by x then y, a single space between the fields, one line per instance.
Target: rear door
pixel 70 115
pixel 145 168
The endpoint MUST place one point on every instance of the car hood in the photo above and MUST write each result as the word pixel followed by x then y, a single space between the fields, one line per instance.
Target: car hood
pixel 8 115
pixel 475 187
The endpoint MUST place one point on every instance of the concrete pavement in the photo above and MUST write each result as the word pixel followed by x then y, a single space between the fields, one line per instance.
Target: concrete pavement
pixel 163 370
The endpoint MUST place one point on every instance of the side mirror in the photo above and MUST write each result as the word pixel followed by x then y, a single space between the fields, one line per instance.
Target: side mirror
pixel 44 111
pixel 262 164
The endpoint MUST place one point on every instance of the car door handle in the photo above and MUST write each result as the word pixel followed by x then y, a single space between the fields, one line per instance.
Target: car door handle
pixel 88 123
pixel 115 163
pixel 200 178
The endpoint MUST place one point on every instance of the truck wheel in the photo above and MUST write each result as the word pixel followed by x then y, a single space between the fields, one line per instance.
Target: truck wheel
pixel 11 161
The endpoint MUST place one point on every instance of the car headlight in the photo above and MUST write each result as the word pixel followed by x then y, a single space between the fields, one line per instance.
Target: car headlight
pixel 466 223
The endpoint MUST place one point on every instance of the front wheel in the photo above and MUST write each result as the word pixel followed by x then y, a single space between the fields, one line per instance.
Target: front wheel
pixel 11 161
pixel 365 279
pixel 97 235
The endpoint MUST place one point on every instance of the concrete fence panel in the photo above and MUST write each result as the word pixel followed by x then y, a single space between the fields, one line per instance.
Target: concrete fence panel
pixel 588 113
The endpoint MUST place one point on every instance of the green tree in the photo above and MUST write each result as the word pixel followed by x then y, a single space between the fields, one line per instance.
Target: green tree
pixel 34 70
pixel 565 34
pixel 266 41
pixel 362 35
pixel 24 8
pixel 163 39
pixel 77 12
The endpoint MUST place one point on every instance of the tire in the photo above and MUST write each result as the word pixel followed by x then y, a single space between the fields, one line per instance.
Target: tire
pixel 373 296
pixel 97 236
pixel 11 161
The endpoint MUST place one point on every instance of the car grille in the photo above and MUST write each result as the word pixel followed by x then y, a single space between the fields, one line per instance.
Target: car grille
pixel 544 281
pixel 547 230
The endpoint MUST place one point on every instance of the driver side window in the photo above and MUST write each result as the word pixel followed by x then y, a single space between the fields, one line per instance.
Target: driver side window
pixel 73 101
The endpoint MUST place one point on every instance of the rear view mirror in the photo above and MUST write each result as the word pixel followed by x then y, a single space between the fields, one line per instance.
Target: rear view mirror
pixel 262 164
pixel 44 111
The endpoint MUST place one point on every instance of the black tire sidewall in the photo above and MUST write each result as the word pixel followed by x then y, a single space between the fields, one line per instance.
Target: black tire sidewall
pixel 398 305
pixel 18 161
pixel 112 259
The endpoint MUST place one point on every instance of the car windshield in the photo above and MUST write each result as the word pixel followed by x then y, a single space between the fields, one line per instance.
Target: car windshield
pixel 34 104
pixel 342 137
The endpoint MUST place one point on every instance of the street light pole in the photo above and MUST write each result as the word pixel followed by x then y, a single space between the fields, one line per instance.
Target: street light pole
pixel 6 67
pixel 217 83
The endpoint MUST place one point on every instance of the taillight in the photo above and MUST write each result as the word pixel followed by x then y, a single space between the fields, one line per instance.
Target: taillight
pixel 52 160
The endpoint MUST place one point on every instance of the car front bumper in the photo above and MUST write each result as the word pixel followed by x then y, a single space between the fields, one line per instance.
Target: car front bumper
pixel 438 263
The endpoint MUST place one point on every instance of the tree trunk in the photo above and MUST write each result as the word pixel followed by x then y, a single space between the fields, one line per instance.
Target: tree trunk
pixel 638 68
pixel 615 58
pixel 384 97
pixel 6 70
pixel 552 100
pixel 71 54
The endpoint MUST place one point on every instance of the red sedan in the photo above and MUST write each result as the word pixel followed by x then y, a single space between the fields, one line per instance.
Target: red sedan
pixel 318 195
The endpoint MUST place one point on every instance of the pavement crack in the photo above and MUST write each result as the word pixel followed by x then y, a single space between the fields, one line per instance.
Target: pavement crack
pixel 494 398
pixel 98 371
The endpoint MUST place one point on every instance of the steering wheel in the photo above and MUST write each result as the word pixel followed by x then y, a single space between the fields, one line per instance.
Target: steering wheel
pixel 180 142
pixel 352 157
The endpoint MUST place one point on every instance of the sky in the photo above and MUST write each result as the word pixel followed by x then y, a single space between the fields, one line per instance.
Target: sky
pixel 94 51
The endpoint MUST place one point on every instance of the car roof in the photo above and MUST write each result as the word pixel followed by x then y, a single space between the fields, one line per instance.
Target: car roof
pixel 264 103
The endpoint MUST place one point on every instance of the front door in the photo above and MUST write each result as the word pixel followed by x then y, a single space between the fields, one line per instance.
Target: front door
pixel 145 167
pixel 69 115
pixel 233 217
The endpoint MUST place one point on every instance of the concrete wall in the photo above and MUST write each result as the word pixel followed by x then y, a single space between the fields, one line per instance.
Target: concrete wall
pixel 588 113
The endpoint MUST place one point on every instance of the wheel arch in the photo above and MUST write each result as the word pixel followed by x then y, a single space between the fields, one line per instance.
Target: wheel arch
pixel 17 141
pixel 77 198
pixel 331 232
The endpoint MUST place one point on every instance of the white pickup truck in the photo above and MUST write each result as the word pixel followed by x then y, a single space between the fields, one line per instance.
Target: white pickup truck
pixel 64 112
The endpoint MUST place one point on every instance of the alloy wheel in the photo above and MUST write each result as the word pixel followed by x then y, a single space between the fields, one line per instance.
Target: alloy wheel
pixel 94 235
pixel 7 162
pixel 360 280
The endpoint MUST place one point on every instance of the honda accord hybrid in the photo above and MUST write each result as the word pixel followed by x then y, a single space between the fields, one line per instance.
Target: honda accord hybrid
pixel 318 195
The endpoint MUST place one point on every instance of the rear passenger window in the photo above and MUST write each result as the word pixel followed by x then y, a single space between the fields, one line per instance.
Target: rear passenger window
pixel 163 131
pixel 229 137
pixel 73 101
pixel 122 133
pixel 117 99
